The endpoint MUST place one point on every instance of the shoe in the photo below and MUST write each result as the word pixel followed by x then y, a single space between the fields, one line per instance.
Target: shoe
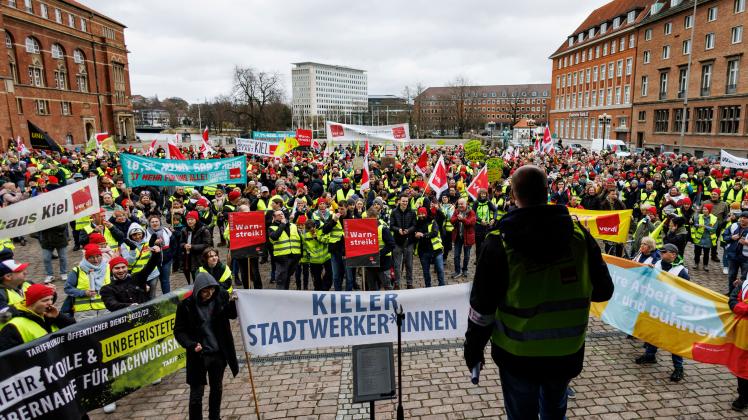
pixel 396 287
pixel 715 259
pixel 49 279
pixel 156 382
pixel 677 375
pixel 55 257
pixel 456 275
pixel 570 393
pixel 706 269
pixel 23 241
pixel 410 286
pixel 109 408
pixel 725 270
pixel 646 359
pixel 465 274
pixel 697 267
pixel 77 248
pixel 739 404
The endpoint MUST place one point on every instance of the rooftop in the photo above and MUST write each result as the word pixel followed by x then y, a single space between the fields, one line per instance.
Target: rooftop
pixel 312 63
pixel 89 10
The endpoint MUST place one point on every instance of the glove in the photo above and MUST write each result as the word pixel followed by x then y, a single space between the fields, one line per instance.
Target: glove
pixel 741 310
pixel 473 355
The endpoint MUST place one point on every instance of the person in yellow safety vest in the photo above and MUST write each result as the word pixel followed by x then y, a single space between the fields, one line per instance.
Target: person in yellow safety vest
pixel 429 246
pixel 317 254
pixel 704 235
pixel 221 272
pixel 684 186
pixel 302 270
pixel 322 214
pixel 12 282
pixel 33 317
pixel 534 306
pixel 6 249
pixel 85 281
pixel 734 194
pixel 137 252
pixel 78 226
pixel 99 224
pixel 648 196
pixel 375 277
pixel 286 241
pixel 446 209
pixel 345 192
pixel 241 264
pixel 263 203
pixel 498 200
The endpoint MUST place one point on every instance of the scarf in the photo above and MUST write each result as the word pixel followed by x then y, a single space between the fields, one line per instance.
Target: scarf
pixel 96 273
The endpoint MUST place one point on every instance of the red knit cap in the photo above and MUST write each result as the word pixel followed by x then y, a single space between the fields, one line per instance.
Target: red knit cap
pixel 233 195
pixel 192 215
pixel 116 261
pixel 35 292
pixel 91 250
pixel 652 210
pixel 203 202
pixel 709 206
pixel 96 238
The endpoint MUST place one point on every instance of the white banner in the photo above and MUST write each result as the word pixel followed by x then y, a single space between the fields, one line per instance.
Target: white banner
pixel 347 132
pixel 51 209
pixel 256 147
pixel 730 161
pixel 274 321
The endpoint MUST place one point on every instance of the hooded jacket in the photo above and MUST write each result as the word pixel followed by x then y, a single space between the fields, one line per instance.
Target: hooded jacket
pixel 543 232
pixel 192 321
pixel 119 294
pixel 200 239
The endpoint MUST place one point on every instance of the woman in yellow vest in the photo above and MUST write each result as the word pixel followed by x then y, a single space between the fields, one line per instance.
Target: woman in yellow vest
pixel 317 255
pixel 84 283
pixel 137 251
pixel 704 235
pixel 221 272
pixel 34 317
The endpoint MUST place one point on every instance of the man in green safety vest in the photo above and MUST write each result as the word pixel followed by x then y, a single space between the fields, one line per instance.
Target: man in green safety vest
pixel 532 298
pixel 286 241
pixel 12 282
pixel 429 246
pixel 34 317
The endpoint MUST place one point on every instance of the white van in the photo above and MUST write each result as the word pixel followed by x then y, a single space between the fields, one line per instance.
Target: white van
pixel 611 145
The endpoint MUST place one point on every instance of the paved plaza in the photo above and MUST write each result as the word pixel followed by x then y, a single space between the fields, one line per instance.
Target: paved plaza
pixel 316 384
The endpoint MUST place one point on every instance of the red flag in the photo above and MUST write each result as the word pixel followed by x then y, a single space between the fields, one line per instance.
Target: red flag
pixel 422 163
pixel 205 147
pixel 537 142
pixel 365 175
pixel 174 152
pixel 205 134
pixel 438 178
pixel 547 141
pixel 315 144
pixel 366 147
pixel 151 150
pixel 480 181
pixel 304 137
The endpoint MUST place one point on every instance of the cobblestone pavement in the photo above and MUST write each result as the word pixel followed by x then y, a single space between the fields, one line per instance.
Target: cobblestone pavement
pixel 316 384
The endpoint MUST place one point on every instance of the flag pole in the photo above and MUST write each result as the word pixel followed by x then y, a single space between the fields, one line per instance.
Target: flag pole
pixel 246 353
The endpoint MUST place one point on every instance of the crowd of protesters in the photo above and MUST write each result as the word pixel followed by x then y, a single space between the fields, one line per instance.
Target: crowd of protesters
pixel 141 236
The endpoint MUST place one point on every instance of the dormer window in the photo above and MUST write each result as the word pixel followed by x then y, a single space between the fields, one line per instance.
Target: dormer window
pixel 591 33
pixel 656 8
pixel 571 41
pixel 674 3
pixel 580 37
pixel 603 28
pixel 616 22
pixel 631 17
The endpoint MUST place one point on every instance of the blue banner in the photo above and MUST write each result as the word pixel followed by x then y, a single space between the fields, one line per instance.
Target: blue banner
pixel 140 171
pixel 272 135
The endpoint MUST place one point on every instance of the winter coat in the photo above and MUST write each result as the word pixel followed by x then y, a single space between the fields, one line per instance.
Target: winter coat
pixel 188 332
pixel 123 293
pixel 468 227
pixel 403 220
pixel 201 239
pixel 54 237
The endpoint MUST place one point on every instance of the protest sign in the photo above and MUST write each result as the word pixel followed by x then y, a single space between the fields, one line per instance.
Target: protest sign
pixel 304 137
pixel 272 135
pixel 246 233
pixel 50 209
pixel 256 147
pixel 361 242
pixel 494 166
pixel 731 161
pixel 90 364
pixel 40 140
pixel 274 321
pixel 139 171
pixel 338 131
pixel 674 314
pixel 610 226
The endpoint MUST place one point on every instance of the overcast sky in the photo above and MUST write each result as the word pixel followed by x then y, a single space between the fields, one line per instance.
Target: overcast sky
pixel 188 48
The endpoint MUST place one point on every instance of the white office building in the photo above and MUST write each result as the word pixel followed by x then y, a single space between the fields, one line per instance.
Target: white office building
pixel 327 92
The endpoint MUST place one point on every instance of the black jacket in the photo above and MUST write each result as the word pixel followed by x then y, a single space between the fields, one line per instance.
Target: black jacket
pixel 54 237
pixel 188 332
pixel 201 239
pixel 543 232
pixel 123 293
pixel 424 243
pixel 402 220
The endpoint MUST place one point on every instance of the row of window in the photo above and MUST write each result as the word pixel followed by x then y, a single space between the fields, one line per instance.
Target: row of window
pixel 705 84
pixel 41 107
pixel 36 73
pixel 33 47
pixel 585 128
pixel 503 94
pixel 603 28
pixel 599 50
pixel 591 99
pixel 736 37
pixel 728 120
pixel 28 6
pixel 590 74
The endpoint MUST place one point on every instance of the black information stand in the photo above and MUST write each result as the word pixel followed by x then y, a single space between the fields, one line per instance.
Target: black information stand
pixel 373 373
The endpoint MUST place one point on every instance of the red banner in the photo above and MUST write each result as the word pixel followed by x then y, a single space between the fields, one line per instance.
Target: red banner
pixel 246 229
pixel 304 137
pixel 361 242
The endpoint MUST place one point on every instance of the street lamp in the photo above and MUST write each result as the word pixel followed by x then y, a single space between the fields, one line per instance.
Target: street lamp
pixel 604 119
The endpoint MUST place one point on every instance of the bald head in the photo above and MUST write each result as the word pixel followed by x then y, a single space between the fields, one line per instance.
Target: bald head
pixel 529 186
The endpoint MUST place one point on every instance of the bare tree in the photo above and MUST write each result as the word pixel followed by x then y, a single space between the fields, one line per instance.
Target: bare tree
pixel 253 92
pixel 412 96
pixel 461 98
pixel 516 102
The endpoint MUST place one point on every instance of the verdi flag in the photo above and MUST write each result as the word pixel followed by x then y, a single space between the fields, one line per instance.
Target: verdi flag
pixel 304 137
pixel 246 233
pixel 361 242
pixel 479 182
pixel 41 140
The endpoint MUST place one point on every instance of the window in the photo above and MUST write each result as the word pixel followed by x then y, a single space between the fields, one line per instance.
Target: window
pixel 709 41
pixel 736 35
pixel 619 68
pixel 604 27
pixel 666 52
pixel 42 107
pixel 81 81
pixel 632 41
pixel 57 51
pixel 618 95
pixel 61 79
pixel 594 74
pixel 662 118
pixel 58 16
pixel 613 47
pixel 109 33
pixel 682 82
pixel 663 85
pixel 605 49
pixel 28 6
pixel 739 6
pixel 686 47
pixel 12 3
pixel 645 85
pixel 733 66
pixel 575 78
pixel 78 56
pixel 678 126
pixel 647 57
pixel 688 22
pixel 609 97
pixel 36 76
pixel 32 46
pixel 119 82
pixel 648 34
pixel 597 51
pixel 587 76
pixel 19 105
pixel 616 22
pixel 711 14
pixel 668 28
pixel 84 26
pixel 729 119
pixel 704 119
pixel 593 99
pixel 706 79
pixel 602 72
pixel 642 116
pixel 65 108
pixel 631 17
pixel 629 64
pixel 601 98
pixel 627 94
pixel 610 70
pixel 8 41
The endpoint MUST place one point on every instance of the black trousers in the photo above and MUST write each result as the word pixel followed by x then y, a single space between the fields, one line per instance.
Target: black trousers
pixel 321 281
pixel 214 367
pixel 697 250
pixel 743 389
pixel 246 275
pixel 285 266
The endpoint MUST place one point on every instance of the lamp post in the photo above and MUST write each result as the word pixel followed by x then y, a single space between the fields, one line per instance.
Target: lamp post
pixel 604 119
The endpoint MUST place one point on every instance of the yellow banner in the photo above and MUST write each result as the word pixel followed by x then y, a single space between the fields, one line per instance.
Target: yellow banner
pixel 675 314
pixel 610 226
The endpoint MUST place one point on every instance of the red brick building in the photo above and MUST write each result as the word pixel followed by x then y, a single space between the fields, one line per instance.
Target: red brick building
pixel 65 69
pixel 594 73
pixel 714 91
